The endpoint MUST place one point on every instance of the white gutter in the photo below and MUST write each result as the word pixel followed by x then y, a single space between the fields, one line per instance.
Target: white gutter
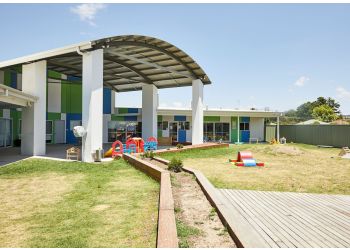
pixel 46 54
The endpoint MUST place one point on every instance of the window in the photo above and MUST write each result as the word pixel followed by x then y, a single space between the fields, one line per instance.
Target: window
pixel 244 126
pixel 121 130
pixel 162 125
pixel 187 125
pixel 222 131
pixel 49 131
pixel 165 126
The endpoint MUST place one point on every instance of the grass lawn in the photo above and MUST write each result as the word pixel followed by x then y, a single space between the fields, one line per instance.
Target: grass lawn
pixel 71 204
pixel 292 167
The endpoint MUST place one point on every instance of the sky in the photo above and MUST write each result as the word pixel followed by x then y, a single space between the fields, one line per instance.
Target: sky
pixel 256 55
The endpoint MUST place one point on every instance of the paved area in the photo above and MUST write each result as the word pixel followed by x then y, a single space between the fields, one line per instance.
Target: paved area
pixel 284 219
pixel 12 154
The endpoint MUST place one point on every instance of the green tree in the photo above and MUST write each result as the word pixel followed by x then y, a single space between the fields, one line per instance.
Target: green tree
pixel 305 110
pixel 324 113
pixel 329 101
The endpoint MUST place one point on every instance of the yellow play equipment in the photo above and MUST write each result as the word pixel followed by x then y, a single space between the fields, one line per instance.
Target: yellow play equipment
pixel 109 153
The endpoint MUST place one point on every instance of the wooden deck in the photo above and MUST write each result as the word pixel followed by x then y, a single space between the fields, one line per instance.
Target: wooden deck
pixel 284 219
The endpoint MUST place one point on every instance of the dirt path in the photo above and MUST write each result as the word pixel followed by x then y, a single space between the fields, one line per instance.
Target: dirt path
pixel 198 224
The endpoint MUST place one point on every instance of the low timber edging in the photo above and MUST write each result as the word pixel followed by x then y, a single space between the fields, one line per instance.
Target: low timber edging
pixel 189 147
pixel 166 233
pixel 240 231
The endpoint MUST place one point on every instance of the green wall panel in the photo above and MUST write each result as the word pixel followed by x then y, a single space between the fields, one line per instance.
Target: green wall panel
pixel 54 74
pixel 65 97
pixel 234 129
pixel 7 77
pixel 159 118
pixel 211 118
pixel 71 97
pixel 15 116
pixel 122 110
pixel 117 118
pixel 160 133
pixel 53 116
pixel 1 113
pixel 76 98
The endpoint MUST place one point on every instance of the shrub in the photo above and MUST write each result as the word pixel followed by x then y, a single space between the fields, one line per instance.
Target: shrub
pixel 179 146
pixel 175 165
pixel 148 154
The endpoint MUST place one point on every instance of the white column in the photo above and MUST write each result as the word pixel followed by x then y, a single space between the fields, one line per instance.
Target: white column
pixel 197 112
pixel 149 110
pixel 92 117
pixel 113 93
pixel 238 127
pixel 278 128
pixel 33 138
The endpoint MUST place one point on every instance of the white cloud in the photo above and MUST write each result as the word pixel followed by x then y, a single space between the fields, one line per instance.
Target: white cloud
pixel 301 81
pixel 342 92
pixel 87 11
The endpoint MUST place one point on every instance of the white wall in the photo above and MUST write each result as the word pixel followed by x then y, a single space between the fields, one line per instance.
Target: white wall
pixel 54 94
pixel 257 128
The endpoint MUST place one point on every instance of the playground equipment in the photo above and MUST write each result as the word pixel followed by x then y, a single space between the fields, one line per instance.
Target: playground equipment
pixel 132 145
pixel 151 144
pixel 245 159
pixel 345 153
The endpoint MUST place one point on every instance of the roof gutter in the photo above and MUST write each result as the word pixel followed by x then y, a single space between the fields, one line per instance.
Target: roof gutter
pixel 46 54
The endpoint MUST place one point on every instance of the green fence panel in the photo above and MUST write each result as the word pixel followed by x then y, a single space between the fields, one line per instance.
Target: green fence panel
pixel 330 135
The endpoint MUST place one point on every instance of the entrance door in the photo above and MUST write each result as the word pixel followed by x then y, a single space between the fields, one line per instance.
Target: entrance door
pixel 5 132
pixel 59 131
pixel 173 130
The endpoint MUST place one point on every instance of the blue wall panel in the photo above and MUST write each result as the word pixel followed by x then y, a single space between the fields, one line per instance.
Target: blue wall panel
pixel 245 119
pixel 180 118
pixel 130 118
pixel 182 136
pixel 73 78
pixel 13 82
pixel 70 138
pixel 133 110
pixel 107 101
pixel 245 135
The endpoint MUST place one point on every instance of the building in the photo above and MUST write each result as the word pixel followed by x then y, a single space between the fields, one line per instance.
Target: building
pixel 44 95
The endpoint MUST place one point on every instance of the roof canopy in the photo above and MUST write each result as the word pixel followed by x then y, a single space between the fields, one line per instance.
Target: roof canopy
pixel 129 62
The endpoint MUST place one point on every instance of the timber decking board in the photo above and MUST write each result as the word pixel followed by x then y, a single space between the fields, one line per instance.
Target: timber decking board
pixel 286 219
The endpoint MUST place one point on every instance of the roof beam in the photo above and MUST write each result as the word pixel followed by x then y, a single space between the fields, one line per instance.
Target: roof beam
pixel 132 68
pixel 147 45
pixel 157 66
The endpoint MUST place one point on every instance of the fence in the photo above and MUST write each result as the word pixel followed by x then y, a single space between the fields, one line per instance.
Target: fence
pixel 330 135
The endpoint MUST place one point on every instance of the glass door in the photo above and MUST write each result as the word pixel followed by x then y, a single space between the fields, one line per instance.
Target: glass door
pixel 173 130
pixel 208 130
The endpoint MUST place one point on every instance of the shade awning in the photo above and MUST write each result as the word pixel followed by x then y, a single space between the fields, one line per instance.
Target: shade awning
pixel 129 62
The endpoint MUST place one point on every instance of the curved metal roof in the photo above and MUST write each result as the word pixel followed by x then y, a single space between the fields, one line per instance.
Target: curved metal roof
pixel 129 62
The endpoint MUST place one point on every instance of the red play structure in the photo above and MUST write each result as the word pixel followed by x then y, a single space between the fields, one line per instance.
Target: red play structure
pixel 245 159
pixel 132 145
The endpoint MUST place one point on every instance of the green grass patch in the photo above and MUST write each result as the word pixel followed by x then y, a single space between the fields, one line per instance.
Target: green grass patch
pixel 184 232
pixel 73 204
pixel 292 168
